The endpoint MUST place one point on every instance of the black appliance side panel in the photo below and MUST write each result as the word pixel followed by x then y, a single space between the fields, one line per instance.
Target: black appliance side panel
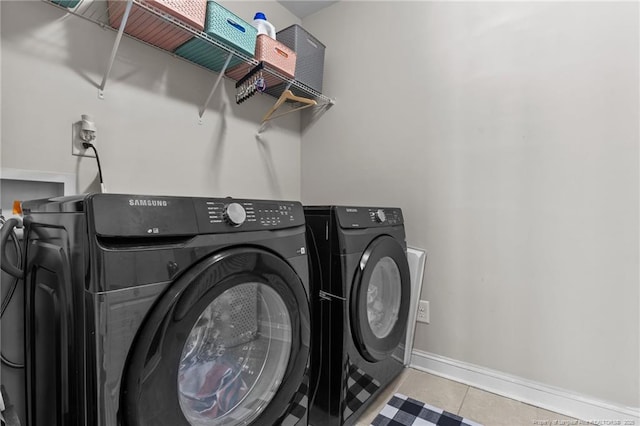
pixel 54 334
pixel 327 318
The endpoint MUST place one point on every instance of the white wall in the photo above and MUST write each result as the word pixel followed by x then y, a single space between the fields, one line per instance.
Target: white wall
pixel 149 138
pixel 508 133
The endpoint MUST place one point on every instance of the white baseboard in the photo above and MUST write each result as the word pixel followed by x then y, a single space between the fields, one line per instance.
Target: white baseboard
pixel 550 398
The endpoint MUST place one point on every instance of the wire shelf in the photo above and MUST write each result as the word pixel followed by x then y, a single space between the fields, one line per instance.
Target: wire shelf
pixel 157 21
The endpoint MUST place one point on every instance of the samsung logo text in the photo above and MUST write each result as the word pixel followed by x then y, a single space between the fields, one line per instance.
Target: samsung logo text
pixel 148 203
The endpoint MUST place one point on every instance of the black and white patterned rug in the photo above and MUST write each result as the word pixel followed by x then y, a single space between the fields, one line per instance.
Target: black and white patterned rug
pixel 404 411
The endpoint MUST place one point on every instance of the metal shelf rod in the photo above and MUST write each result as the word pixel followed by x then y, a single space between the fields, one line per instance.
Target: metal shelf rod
pixel 114 51
pixel 215 85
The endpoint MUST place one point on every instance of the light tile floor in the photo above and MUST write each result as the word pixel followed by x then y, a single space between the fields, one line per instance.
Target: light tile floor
pixel 466 401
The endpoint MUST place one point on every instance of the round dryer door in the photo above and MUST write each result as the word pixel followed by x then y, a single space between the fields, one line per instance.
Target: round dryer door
pixel 380 299
pixel 226 345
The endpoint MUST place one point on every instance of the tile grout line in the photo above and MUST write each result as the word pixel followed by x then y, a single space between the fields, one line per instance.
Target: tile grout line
pixel 463 398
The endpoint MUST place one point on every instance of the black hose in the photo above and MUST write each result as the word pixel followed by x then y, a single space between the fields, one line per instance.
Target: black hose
pixel 14 284
pixel 8 233
pixel 9 363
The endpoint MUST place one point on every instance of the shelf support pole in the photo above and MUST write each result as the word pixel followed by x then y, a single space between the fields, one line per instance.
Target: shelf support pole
pixel 114 51
pixel 215 86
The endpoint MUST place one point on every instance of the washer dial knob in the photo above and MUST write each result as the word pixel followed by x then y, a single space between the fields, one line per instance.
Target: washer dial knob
pixel 234 214
pixel 380 216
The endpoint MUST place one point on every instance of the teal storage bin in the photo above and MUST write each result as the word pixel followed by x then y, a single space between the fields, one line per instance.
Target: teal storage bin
pixel 226 28
pixel 69 4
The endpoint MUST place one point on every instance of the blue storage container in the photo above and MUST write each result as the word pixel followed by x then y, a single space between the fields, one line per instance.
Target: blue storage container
pixel 69 4
pixel 226 28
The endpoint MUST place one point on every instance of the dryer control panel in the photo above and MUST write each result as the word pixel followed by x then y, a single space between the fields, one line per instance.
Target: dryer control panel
pixel 368 217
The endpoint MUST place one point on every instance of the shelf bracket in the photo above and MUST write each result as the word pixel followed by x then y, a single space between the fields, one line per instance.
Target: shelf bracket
pixel 215 86
pixel 114 51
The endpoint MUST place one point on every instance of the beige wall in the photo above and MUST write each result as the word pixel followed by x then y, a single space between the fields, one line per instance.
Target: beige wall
pixel 149 138
pixel 508 133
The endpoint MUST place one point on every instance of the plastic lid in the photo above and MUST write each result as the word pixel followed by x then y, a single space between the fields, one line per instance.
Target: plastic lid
pixel 17 207
pixel 260 15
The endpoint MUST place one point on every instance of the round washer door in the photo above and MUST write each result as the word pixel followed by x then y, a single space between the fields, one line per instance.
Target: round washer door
pixel 227 344
pixel 380 294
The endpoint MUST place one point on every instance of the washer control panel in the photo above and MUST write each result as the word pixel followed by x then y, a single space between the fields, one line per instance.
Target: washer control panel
pixel 368 217
pixel 123 215
pixel 220 215
pixel 379 216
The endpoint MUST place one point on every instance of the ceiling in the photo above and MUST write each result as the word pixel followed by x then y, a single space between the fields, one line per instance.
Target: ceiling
pixel 302 8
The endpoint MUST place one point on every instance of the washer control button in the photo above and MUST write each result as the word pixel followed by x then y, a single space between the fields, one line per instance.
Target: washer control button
pixel 380 216
pixel 234 214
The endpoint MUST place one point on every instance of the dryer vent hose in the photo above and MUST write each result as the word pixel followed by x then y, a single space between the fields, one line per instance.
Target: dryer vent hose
pixel 6 233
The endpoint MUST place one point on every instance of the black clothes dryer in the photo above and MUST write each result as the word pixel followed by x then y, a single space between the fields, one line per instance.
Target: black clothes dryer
pixel 166 311
pixel 360 287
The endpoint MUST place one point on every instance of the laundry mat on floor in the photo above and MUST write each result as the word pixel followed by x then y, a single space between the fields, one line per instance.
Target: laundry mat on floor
pixel 404 411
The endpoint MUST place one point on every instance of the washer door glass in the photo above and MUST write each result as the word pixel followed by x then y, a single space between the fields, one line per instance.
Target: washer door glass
pixel 383 297
pixel 235 356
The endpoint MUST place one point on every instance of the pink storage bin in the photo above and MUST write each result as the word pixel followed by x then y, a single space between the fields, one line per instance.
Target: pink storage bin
pixel 275 55
pixel 154 30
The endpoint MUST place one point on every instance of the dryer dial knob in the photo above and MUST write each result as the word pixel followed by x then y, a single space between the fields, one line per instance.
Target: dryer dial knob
pixel 380 216
pixel 234 214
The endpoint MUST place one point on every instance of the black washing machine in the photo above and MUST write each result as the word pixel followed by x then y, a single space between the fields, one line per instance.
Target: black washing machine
pixel 360 287
pixel 152 311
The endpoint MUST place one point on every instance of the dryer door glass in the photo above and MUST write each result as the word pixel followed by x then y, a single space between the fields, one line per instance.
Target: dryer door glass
pixel 383 297
pixel 379 299
pixel 235 357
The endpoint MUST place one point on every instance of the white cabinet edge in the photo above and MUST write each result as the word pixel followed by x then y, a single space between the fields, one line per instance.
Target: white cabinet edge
pixel 67 179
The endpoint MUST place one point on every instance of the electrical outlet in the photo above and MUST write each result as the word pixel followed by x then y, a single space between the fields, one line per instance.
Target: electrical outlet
pixel 423 312
pixel 76 142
